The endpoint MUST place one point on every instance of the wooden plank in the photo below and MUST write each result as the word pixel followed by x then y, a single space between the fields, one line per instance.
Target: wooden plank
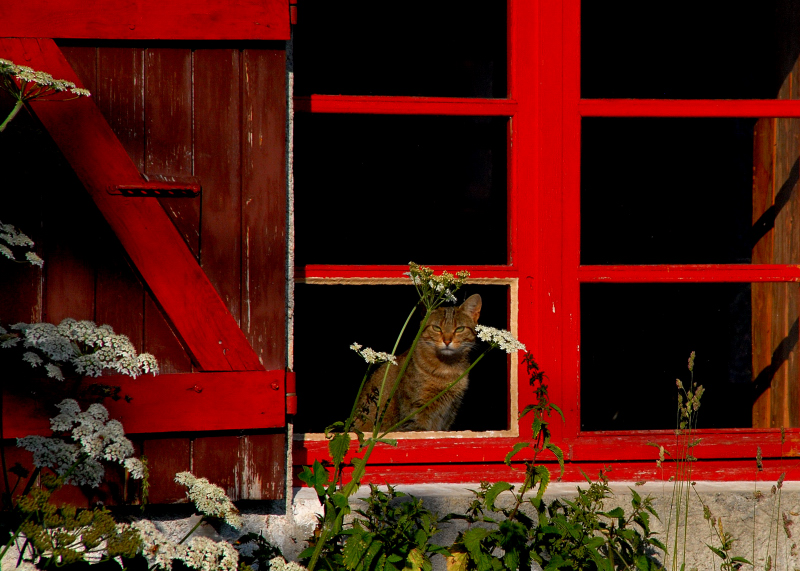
pixel 165 458
pixel 99 160
pixel 264 204
pixel 118 95
pixel 384 105
pixel 169 133
pixel 246 467
pixel 120 98
pixel 146 19
pixel 170 403
pixel 167 97
pixel 217 160
pixel 21 284
pixel 70 222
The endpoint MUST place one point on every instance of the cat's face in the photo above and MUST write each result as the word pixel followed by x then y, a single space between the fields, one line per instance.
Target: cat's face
pixel 451 330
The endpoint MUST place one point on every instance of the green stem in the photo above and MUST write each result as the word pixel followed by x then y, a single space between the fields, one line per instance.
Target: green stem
pixel 191 531
pixel 431 401
pixel 377 425
pixel 17 106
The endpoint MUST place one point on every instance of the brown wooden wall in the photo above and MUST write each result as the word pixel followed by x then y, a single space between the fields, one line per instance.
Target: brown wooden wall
pixel 217 113
pixel 776 240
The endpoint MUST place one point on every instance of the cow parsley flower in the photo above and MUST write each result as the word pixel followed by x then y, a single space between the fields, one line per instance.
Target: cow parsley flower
pixel 280 564
pixel 210 499
pixel 91 349
pixel 94 438
pixel 372 357
pixel 199 553
pixel 499 338
pixel 11 237
pixel 434 290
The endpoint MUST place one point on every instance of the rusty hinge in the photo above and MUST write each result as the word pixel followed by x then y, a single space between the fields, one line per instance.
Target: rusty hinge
pixel 293 12
pixel 291 394
pixel 156 185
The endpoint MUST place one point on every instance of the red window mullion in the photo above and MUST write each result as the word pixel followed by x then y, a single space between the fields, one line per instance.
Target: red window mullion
pixel 390 105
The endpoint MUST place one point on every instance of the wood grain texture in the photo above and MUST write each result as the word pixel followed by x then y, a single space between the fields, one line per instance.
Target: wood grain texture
pixel 98 159
pixel 146 19
pixel 170 403
pixel 246 467
pixel 264 204
pixel 165 458
pixel 169 145
pixel 217 159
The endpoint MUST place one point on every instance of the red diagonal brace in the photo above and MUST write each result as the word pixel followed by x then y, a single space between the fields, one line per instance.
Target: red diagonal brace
pixel 179 285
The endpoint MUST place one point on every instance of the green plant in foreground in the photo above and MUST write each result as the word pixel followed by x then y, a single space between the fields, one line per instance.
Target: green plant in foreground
pixel 391 535
pixel 333 493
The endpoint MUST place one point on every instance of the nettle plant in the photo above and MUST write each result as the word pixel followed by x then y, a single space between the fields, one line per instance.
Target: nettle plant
pixel 334 546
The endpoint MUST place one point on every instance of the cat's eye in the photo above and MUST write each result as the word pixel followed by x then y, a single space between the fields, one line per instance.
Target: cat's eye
pixel 436 328
pixel 460 328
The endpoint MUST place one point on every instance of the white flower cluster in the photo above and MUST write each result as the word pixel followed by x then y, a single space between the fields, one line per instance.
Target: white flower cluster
pixel 90 348
pixel 199 553
pixel 499 338
pixel 210 499
pixel 371 356
pixel 26 83
pixel 433 289
pixel 280 564
pixel 11 237
pixel 94 438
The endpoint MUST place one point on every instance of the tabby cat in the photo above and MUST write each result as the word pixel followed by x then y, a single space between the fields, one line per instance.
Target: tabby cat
pixel 441 356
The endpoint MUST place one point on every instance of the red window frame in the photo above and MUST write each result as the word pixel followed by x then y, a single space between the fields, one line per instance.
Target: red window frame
pixel 544 148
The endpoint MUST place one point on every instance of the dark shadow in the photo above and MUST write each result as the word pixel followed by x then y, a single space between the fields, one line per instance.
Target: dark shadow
pixel 781 354
pixel 766 221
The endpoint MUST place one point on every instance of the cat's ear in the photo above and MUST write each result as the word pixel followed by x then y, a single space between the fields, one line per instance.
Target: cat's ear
pixel 472 306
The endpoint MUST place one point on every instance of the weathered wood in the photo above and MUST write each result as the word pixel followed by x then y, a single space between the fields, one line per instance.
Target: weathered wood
pixel 169 132
pixel 246 467
pixel 146 20
pixel 264 204
pixel 99 160
pixel 217 164
pixel 170 403
pixel 165 458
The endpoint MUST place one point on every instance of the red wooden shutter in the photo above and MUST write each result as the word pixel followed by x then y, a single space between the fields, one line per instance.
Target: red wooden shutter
pixel 210 298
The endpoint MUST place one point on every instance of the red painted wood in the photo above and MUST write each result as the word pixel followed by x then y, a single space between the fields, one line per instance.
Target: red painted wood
pixel 699 273
pixel 246 467
pixel 165 458
pixel 168 116
pixel 688 108
pixel 263 144
pixel 118 95
pixel 397 272
pixel 217 164
pixel 146 20
pixel 404 105
pixel 95 153
pixel 171 403
pixel 730 470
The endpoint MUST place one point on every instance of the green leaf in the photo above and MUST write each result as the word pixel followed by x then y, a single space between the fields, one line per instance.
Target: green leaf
pixel 316 477
pixel 515 450
pixel 389 441
pixel 593 542
pixel 615 513
pixel 472 540
pixel 642 563
pixel 526 410
pixel 558 410
pixel 717 551
pixel 338 447
pixel 542 476
pixel 558 454
pixel 495 491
